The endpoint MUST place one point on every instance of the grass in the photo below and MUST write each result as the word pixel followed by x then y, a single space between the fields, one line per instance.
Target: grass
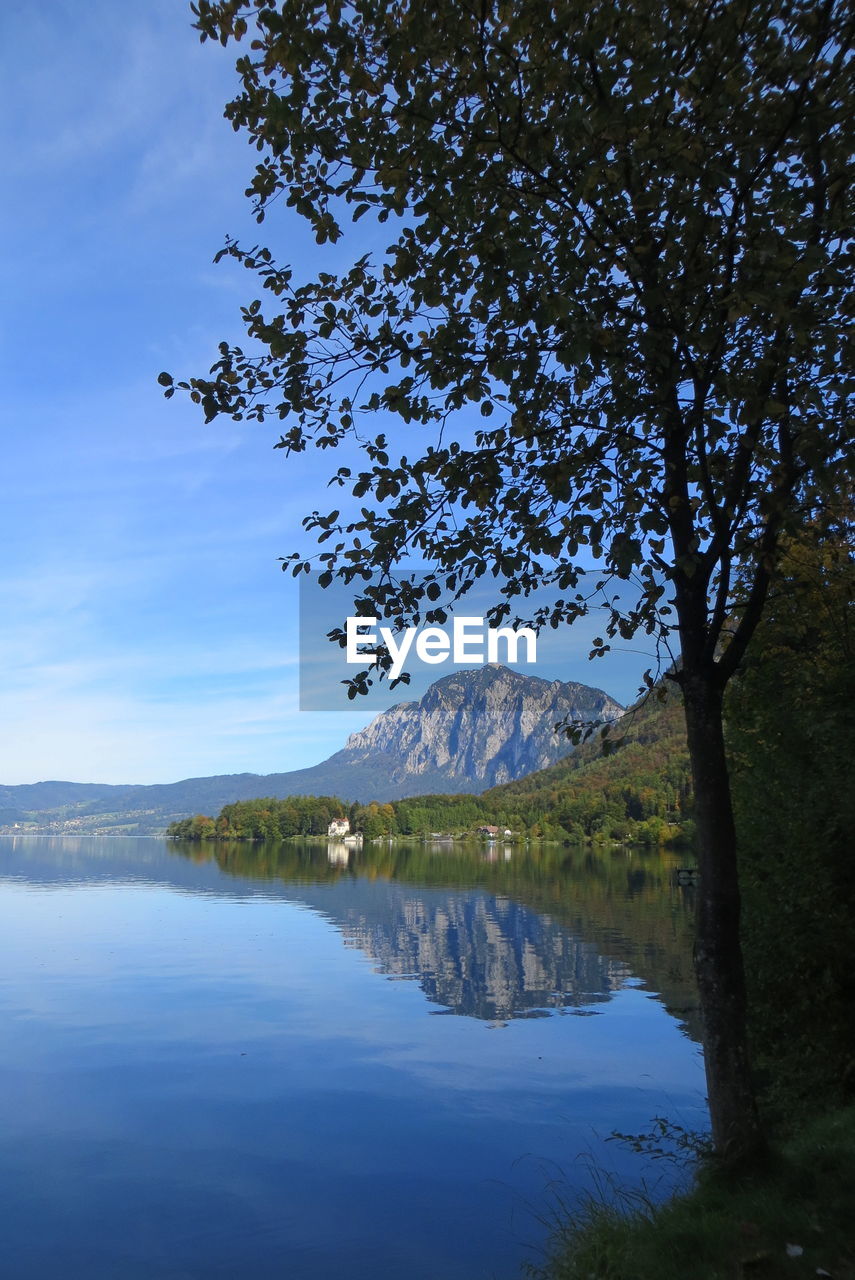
pixel 794 1219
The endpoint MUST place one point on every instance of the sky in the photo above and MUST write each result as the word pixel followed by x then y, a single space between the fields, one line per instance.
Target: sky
pixel 148 633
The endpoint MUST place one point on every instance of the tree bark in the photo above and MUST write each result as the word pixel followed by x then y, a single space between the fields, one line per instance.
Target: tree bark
pixel 736 1131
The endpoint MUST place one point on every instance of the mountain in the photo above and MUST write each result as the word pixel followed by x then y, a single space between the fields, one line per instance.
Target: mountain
pixel 473 730
pixel 470 731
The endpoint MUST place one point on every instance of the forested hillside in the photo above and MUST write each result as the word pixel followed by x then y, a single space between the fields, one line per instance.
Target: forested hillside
pixel 640 790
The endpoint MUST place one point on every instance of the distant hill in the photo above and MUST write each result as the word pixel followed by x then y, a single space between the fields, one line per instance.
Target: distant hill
pixel 470 731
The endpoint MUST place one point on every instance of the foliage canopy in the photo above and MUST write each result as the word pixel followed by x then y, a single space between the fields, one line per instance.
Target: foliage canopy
pixel 615 297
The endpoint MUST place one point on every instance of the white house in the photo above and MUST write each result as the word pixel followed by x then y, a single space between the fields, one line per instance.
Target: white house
pixel 338 827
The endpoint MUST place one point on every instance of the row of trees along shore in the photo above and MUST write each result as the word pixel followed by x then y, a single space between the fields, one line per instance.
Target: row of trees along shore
pixel 610 327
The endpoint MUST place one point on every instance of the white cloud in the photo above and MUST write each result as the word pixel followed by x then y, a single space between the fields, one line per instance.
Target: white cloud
pixel 78 722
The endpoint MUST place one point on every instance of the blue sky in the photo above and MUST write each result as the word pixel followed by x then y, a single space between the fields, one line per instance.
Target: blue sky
pixel 148 633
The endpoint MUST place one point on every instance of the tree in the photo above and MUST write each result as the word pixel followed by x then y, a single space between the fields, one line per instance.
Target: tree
pixel 608 325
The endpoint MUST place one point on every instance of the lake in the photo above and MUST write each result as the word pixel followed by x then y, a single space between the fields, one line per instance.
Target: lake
pixel 300 1061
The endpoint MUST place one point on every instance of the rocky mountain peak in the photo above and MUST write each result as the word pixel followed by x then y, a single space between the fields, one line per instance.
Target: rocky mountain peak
pixel 479 727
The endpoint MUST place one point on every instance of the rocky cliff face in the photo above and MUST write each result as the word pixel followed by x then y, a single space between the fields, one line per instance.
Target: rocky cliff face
pixel 477 728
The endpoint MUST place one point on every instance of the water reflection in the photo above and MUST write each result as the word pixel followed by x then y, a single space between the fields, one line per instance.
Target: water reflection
pixel 494 933
pixel 480 956
pixel 200 1080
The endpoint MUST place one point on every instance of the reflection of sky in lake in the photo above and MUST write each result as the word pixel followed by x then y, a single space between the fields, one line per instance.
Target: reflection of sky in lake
pixel 200 1080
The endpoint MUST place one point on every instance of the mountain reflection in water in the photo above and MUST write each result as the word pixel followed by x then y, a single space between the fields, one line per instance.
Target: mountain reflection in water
pixel 472 930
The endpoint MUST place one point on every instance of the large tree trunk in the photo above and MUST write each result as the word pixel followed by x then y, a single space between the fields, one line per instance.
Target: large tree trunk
pixel 736 1131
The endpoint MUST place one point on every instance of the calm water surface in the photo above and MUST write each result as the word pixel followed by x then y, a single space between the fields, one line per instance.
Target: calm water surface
pixel 302 1062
